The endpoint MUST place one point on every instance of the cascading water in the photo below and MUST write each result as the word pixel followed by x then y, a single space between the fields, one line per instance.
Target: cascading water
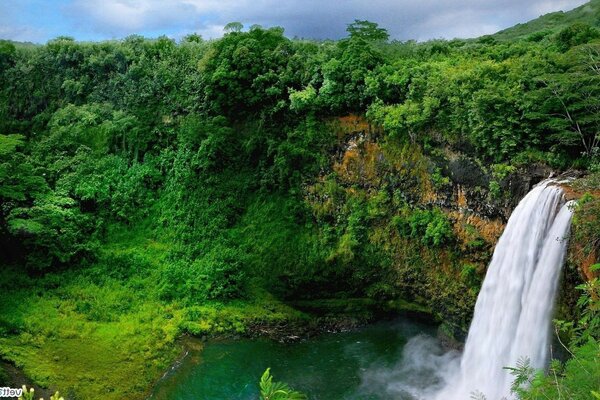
pixel 514 308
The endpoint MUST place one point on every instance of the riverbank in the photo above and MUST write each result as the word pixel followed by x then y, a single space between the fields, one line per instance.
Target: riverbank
pixel 106 330
pixel 329 366
pixel 51 342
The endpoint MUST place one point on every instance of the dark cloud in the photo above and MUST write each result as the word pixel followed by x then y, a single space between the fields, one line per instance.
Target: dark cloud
pixel 320 19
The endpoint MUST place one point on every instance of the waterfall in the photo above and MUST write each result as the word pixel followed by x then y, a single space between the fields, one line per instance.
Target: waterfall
pixel 513 312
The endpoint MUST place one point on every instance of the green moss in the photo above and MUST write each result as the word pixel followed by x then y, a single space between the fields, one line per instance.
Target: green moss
pixel 104 332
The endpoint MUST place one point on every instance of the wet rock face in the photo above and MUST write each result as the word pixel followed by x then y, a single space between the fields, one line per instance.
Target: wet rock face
pixel 465 172
pixel 360 160
pixel 517 185
pixel 470 190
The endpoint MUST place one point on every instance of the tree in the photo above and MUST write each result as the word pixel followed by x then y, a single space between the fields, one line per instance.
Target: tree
pixel 344 85
pixel 569 101
pixel 19 181
pixel 193 38
pixel 53 231
pixel 7 53
pixel 368 31
pixel 233 27
pixel 576 34
pixel 246 73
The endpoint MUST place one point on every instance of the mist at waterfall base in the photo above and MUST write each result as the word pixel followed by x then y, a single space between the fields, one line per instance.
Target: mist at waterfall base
pixel 403 359
pixel 512 318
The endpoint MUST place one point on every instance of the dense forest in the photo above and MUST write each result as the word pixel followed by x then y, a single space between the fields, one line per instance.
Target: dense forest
pixel 152 187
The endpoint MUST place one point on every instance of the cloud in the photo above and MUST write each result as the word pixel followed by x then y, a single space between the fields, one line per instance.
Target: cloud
pixel 12 27
pixel 405 19
pixel 459 24
pixel 21 33
pixel 545 7
pixel 122 17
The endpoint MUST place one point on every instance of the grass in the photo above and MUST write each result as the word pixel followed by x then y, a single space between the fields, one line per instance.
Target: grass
pixel 57 345
pixel 108 331
pixel 553 22
pixel 103 332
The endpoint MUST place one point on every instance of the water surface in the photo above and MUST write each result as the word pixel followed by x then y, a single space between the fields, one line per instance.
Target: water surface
pixel 348 365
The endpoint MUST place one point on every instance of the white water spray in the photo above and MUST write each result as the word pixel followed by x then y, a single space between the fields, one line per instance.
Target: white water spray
pixel 512 318
pixel 514 308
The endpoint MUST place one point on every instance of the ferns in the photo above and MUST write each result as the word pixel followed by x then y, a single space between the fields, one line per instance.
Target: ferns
pixel 477 395
pixel 270 390
pixel 523 373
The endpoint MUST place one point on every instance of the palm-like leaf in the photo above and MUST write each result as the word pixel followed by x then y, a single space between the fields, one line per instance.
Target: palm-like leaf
pixel 270 390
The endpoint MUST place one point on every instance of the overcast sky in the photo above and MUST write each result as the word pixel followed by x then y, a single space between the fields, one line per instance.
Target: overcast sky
pixel 40 20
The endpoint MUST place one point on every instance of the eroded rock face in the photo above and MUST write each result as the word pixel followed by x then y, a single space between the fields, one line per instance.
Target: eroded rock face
pixel 391 180
pixel 362 160
pixel 471 187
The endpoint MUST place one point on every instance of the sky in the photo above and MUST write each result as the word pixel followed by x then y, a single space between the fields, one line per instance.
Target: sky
pixel 40 20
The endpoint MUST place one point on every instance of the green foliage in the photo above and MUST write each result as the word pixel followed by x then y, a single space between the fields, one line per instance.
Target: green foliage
pixel 585 223
pixel 366 30
pixel 7 54
pixel 301 154
pixel 432 227
pixel 245 72
pixel 439 180
pixel 233 27
pixel 220 274
pixel 270 390
pixel 575 379
pixel 189 178
pixel 495 190
pixel 53 230
pixel 20 180
pixel 552 22
pixel 588 326
pixel 575 35
pixel 302 100
pixel 468 274
pixel 524 374
pixel 9 143
pixel 499 173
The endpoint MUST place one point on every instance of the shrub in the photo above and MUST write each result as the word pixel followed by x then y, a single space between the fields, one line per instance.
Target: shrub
pixel 431 226
pixel 586 221
pixel 219 274
pixel 468 274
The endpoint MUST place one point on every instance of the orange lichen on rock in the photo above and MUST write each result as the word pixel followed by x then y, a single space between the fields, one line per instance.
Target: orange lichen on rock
pixel 360 164
pixel 353 123
pixel 461 198
pixel 586 265
pixel 468 227
pixel 572 193
pixel 584 260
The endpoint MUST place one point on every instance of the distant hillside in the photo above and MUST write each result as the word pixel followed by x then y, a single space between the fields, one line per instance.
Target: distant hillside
pixel 588 13
pixel 22 44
